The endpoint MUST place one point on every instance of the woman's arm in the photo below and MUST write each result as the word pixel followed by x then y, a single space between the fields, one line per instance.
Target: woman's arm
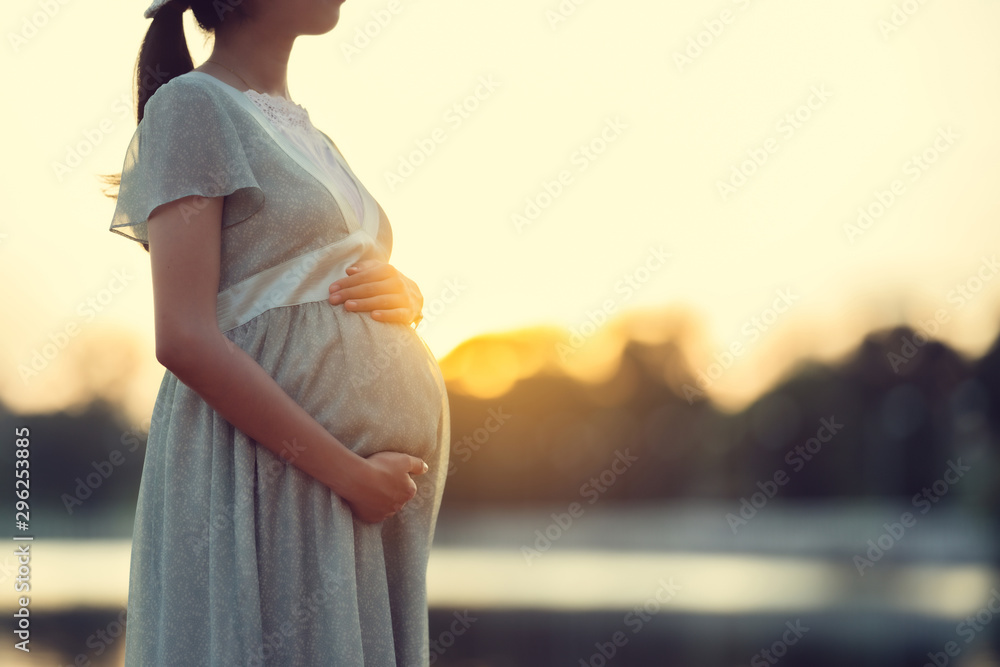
pixel 185 239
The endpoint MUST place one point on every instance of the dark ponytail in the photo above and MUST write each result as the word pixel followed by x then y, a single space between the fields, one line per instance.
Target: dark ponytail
pixel 164 53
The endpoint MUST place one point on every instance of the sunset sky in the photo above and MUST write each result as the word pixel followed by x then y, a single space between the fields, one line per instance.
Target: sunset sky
pixel 710 157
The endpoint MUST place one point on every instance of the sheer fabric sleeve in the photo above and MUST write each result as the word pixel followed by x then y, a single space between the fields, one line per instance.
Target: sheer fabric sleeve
pixel 186 144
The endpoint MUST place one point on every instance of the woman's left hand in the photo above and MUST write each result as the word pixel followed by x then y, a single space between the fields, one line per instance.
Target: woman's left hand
pixel 378 287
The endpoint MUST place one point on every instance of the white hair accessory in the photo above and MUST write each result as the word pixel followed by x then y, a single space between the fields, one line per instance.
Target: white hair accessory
pixel 155 7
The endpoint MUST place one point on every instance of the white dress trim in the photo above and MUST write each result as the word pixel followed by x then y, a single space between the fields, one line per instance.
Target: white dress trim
pixel 298 280
pixel 280 110
pixel 293 121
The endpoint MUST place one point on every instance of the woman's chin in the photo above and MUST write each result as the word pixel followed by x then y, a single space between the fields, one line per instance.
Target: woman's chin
pixel 330 19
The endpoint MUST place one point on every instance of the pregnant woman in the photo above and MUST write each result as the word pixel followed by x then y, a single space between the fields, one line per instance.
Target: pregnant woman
pixel 299 412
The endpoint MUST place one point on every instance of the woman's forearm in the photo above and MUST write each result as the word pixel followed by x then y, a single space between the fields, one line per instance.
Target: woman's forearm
pixel 240 390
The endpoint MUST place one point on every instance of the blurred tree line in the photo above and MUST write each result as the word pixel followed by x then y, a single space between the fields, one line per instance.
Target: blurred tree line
pixel 871 425
pixel 860 428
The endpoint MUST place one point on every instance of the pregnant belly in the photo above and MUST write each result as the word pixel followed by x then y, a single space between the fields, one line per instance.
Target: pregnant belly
pixel 374 385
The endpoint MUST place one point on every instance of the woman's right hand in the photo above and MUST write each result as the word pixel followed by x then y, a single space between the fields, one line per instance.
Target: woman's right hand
pixel 385 485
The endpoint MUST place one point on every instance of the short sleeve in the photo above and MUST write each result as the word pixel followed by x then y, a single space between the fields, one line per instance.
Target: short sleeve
pixel 186 144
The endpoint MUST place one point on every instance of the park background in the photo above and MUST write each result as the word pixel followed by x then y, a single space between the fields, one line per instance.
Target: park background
pixel 692 235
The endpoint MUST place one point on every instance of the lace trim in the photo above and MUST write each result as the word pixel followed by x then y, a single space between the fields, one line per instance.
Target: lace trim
pixel 280 110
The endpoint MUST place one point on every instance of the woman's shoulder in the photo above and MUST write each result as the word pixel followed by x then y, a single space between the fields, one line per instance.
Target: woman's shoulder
pixel 190 91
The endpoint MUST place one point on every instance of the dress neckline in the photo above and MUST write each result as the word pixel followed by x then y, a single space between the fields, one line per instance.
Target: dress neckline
pixel 275 107
pixel 370 218
pixel 280 109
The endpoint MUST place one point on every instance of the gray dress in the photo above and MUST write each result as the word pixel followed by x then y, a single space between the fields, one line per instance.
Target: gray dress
pixel 239 557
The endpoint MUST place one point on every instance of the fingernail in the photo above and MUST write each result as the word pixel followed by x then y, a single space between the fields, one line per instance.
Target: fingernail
pixel 351 304
pixel 377 313
pixel 334 288
pixel 336 298
pixel 426 467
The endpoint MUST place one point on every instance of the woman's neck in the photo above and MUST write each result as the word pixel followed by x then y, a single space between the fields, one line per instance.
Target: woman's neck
pixel 258 57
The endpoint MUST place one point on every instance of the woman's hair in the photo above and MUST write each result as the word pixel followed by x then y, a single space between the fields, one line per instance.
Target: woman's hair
pixel 164 52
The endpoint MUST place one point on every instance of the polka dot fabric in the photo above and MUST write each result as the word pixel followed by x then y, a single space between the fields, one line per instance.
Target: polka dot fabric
pixel 239 558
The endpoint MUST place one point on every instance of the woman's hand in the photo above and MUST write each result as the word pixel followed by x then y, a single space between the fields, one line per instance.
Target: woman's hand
pixel 385 485
pixel 378 287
